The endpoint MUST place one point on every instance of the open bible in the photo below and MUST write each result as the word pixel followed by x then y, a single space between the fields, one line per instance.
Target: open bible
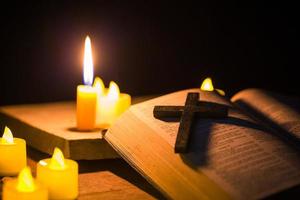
pixel 250 154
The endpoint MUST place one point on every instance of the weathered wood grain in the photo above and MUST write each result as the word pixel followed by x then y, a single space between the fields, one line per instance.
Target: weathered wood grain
pixel 49 125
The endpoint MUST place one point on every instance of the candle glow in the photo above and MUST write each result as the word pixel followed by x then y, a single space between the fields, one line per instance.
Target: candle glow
pixel 113 91
pixel 25 181
pixel 25 187
pixel 57 161
pixel 7 137
pixel 88 67
pixel 99 86
pixel 207 85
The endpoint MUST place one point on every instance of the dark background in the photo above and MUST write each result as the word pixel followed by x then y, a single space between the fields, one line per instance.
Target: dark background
pixel 147 47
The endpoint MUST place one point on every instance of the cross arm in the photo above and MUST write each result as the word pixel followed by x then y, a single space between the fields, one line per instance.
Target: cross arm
pixel 203 109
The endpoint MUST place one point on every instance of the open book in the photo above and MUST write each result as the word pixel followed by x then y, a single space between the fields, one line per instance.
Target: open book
pixel 246 155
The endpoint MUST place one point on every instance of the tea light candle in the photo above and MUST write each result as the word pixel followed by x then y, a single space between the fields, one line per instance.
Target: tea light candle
pixel 60 175
pixel 12 154
pixel 24 188
pixel 207 85
pixel 111 103
pixel 86 105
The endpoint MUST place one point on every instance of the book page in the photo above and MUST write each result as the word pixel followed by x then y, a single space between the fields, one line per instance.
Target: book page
pixel 235 153
pixel 276 111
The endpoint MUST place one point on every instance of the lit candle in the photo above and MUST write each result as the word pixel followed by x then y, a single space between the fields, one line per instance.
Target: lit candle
pixel 12 154
pixel 207 85
pixel 86 94
pixel 24 187
pixel 111 103
pixel 60 175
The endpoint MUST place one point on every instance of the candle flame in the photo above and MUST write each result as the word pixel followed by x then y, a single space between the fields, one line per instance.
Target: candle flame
pixel 25 181
pixel 88 68
pixel 99 85
pixel 57 161
pixel 207 85
pixel 7 137
pixel 113 91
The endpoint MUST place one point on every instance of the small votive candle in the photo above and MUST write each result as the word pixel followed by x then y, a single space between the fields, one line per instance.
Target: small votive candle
pixel 24 188
pixel 59 175
pixel 207 85
pixel 12 154
pixel 111 103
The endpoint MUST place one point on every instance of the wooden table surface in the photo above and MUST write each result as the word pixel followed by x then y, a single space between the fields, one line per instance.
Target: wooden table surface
pixel 104 179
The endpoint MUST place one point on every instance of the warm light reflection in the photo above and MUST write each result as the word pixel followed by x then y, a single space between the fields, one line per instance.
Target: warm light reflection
pixel 99 85
pixel 88 68
pixel 43 163
pixel 25 181
pixel 221 92
pixel 113 91
pixel 207 85
pixel 57 161
pixel 7 137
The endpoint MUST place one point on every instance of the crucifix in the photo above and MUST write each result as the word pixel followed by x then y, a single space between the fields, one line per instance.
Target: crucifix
pixel 193 107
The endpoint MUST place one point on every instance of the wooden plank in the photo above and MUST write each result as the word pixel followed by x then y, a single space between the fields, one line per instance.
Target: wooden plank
pixel 49 125
pixel 106 185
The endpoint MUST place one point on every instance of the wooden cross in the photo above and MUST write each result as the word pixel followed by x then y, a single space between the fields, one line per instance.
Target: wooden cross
pixel 186 113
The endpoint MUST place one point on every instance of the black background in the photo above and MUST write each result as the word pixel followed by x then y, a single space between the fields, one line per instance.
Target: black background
pixel 147 47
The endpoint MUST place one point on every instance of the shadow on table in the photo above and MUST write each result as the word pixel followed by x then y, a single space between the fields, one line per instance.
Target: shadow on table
pixel 117 166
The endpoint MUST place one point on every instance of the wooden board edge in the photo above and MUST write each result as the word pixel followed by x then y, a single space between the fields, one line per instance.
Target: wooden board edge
pixel 34 136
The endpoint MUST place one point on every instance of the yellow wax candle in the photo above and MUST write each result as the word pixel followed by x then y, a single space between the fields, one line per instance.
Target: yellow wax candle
pixel 86 105
pixel 60 175
pixel 207 85
pixel 12 154
pixel 111 103
pixel 24 188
